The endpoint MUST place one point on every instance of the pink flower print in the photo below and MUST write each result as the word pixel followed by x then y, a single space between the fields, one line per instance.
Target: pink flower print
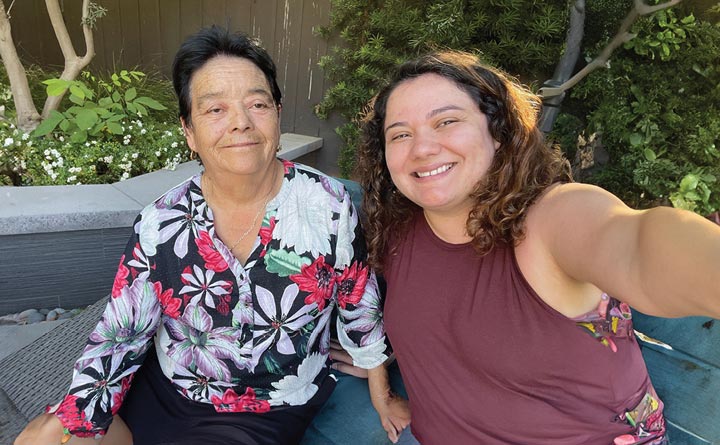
pixel 232 403
pixel 213 260
pixel 317 278
pixel 351 285
pixel 266 235
pixel 140 262
pixel 73 419
pixel 119 396
pixel 171 305
pixel 120 278
pixel 202 285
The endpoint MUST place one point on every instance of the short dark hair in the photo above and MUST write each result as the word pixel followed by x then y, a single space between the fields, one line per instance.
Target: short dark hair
pixel 211 42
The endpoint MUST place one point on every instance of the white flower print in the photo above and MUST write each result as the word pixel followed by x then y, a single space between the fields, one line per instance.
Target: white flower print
pixel 348 221
pixel 197 343
pixel 128 321
pixel 304 221
pixel 272 323
pixel 182 219
pixel 367 315
pixel 201 286
pixel 147 230
pixel 298 389
pixel 95 383
pixel 322 330
pixel 198 387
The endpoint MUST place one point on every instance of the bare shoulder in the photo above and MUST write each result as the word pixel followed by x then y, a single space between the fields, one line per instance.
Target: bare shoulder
pixel 572 205
pixel 573 196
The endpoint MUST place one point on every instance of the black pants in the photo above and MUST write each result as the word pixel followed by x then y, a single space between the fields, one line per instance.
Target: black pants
pixel 158 415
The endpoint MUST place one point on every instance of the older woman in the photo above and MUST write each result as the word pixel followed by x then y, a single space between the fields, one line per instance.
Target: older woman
pixel 217 330
pixel 509 286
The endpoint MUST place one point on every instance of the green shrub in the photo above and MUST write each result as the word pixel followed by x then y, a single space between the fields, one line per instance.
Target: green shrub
pixel 658 110
pixel 109 129
pixel 525 37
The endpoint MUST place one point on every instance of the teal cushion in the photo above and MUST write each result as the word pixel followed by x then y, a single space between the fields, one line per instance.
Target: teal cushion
pixel 348 417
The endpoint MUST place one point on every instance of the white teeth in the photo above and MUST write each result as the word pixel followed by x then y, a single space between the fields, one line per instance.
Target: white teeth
pixel 437 171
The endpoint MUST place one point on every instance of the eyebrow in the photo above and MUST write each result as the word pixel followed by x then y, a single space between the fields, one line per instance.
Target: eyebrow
pixel 215 94
pixel 430 115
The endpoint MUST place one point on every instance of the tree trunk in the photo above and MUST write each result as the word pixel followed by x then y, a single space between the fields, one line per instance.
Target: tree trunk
pixel 623 35
pixel 27 115
pixel 73 63
pixel 566 66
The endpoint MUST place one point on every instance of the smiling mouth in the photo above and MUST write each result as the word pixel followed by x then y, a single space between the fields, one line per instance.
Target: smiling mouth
pixel 241 144
pixel 437 171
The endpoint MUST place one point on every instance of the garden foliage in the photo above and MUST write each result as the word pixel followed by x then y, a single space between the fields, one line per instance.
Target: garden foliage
pixel 523 36
pixel 107 129
pixel 654 110
pixel 657 108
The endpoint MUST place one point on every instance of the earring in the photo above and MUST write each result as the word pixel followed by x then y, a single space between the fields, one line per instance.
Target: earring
pixel 193 155
pixel 279 147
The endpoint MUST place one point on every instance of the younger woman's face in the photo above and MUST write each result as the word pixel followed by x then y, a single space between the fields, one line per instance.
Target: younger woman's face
pixel 437 144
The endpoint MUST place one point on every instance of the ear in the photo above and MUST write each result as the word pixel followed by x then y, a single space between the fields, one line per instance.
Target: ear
pixel 189 136
pixel 496 144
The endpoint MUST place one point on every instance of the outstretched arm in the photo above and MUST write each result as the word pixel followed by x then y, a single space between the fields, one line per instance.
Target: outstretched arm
pixel 662 261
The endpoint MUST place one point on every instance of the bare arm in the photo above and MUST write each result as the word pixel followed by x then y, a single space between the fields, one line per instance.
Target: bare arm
pixel 393 410
pixel 46 428
pixel 661 261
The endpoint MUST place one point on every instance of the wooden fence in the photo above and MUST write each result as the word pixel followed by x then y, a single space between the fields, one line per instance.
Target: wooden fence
pixel 147 33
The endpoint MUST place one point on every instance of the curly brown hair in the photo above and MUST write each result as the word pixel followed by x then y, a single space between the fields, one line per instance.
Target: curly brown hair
pixel 523 166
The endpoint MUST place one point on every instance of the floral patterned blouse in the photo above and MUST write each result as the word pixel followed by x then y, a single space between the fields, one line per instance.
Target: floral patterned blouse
pixel 242 338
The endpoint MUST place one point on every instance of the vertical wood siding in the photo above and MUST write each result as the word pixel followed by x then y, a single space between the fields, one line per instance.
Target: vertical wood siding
pixel 147 33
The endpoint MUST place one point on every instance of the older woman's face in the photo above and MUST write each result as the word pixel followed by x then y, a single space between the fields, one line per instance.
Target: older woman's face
pixel 235 124
pixel 437 144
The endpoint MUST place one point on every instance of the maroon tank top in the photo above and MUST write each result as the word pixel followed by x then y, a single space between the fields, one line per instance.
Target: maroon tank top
pixel 486 361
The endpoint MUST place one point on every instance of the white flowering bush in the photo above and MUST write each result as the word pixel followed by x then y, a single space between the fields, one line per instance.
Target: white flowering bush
pixel 139 145
pixel 141 148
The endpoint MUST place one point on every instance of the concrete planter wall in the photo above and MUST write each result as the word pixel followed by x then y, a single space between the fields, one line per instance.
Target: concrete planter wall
pixel 60 245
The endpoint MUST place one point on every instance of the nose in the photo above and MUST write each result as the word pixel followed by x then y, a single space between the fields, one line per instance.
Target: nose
pixel 240 120
pixel 424 145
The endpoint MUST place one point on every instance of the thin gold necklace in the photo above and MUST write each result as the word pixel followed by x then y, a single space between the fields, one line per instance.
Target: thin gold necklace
pixel 257 215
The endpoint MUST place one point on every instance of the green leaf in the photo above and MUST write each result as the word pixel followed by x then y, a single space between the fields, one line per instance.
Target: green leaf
pixel 105 102
pixel 284 263
pixel 104 113
pixel 132 108
pixel 86 118
pixel 150 103
pixel 649 154
pixel 130 94
pixel 94 131
pixel 76 100
pixel 689 182
pixel 636 139
pixel 48 125
pixel 77 91
pixel 114 127
pixel 116 96
pixel 65 125
pixel 688 20
pixel 141 110
pixel 56 88
pixel 79 136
